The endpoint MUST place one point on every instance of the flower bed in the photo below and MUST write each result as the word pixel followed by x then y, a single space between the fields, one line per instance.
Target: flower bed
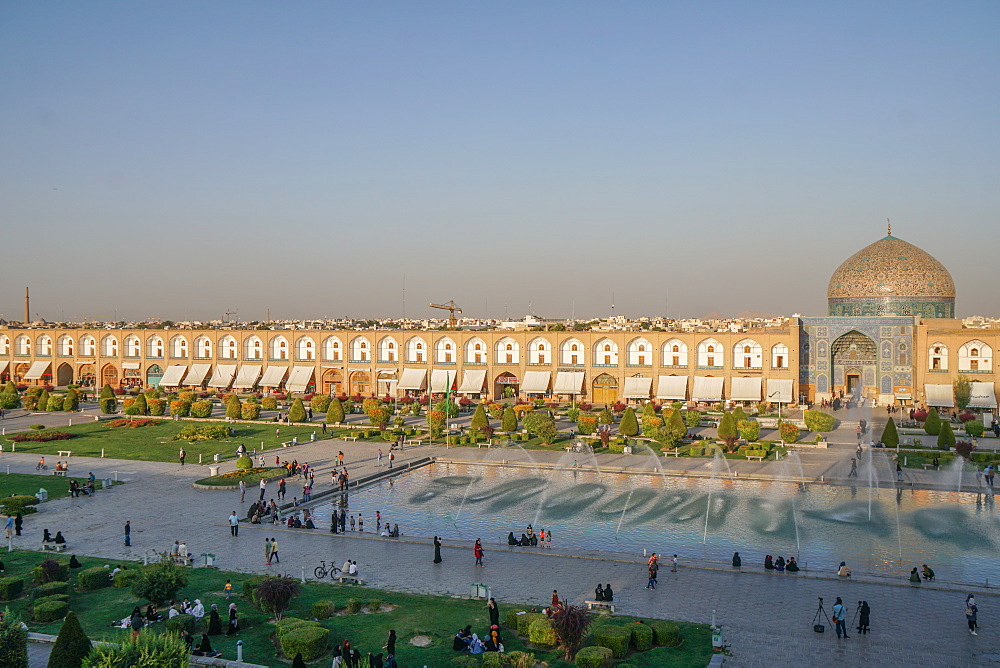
pixel 40 437
pixel 246 475
pixel 132 424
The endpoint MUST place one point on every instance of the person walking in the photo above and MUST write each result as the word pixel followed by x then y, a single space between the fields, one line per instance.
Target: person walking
pixel 854 468
pixel 437 550
pixel 243 491
pixel 281 490
pixel 392 458
pixel 136 621
pixel 839 615
pixel 263 488
pixel 274 551
pixel 971 614
pixel 478 551
pixel 673 564
pixel 181 455
pixel 652 568
pixel 379 463
pixel 9 527
pixel 899 472
pixel 128 533
pixel 494 612
pixel 267 552
pixel 234 524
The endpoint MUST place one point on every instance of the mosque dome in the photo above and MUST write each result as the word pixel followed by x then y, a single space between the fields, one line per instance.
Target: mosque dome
pixel 891 278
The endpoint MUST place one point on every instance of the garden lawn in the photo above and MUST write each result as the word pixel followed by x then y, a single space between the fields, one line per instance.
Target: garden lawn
pixel 26 483
pixel 153 443
pixel 433 616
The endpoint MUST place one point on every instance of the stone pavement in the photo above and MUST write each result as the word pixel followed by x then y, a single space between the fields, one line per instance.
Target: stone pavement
pixel 767 617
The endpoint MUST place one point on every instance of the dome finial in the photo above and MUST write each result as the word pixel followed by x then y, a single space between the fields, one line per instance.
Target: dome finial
pixel 889 225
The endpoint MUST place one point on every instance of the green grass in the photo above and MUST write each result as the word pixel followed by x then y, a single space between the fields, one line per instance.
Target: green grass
pixel 154 443
pixel 433 616
pixel 26 483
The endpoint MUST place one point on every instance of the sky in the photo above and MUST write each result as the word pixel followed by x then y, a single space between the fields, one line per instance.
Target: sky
pixel 320 159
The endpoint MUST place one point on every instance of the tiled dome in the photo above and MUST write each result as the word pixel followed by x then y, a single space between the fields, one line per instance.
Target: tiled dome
pixel 892 277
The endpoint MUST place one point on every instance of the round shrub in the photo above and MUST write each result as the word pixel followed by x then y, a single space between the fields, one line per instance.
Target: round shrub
pixel 354 605
pixel 642 637
pixel 49 611
pixel 269 403
pixel 323 609
pixel 540 632
pixel 320 403
pixel 524 622
pixel 90 579
pixel 180 407
pixel 50 589
pixel 156 406
pixel 666 634
pixel 974 428
pixel 201 409
pixel 50 570
pixel 286 624
pixel 179 623
pixel 55 403
pixel 124 579
pixel 109 405
pixel 244 462
pixel 614 638
pixel 311 641
pixel 595 657
pixel 250 411
pixel 819 421
pixel 10 588
pixel 54 597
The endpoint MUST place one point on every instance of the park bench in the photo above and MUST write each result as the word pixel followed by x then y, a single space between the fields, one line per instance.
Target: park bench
pixel 54 547
pixel 601 605
pixel 60 473
pixel 349 438
pixel 65 453
pixel 413 441
pixel 759 458
pixel 344 578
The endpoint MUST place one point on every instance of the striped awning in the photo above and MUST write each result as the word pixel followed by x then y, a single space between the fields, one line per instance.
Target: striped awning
pixel 536 382
pixel 37 370
pixel 273 376
pixel 196 376
pixel 173 375
pixel 223 376
pixel 744 389
pixel 638 387
pixel 299 379
pixel 247 376
pixel 672 387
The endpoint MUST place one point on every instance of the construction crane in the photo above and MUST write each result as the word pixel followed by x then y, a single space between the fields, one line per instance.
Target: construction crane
pixel 452 310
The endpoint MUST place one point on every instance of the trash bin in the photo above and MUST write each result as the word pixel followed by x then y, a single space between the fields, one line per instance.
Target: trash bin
pixel 478 590
pixel 209 560
pixel 42 494
pixel 106 483
pixel 215 458
pixel 213 470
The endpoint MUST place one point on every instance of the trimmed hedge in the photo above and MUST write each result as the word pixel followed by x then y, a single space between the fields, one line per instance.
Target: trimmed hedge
pixel 125 578
pixel 512 617
pixel 250 411
pixel 595 657
pixel 615 638
pixel 286 624
pixel 64 598
pixel 642 637
pixel 201 409
pixel 90 579
pixel 311 641
pixel 323 609
pixel 180 407
pixel 179 623
pixel 524 622
pixel 50 570
pixel 10 588
pixel 50 589
pixel 49 611
pixel 819 421
pixel 20 503
pixel 540 632
pixel 666 634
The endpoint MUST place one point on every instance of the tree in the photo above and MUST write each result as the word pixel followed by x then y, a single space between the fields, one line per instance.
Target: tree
pixel 672 432
pixel 605 416
pixel 932 425
pixel 890 437
pixel 109 405
pixel 509 421
pixel 749 430
pixel 629 426
pixel 963 391
pixel 547 431
pixel 107 392
pixel 9 398
pixel 13 642
pixel 946 437
pixel 479 419
pixel 738 415
pixel 160 581
pixel 234 409
pixel 273 594
pixel 335 412
pixel 72 400
pixel 727 430
pixel 297 413
pixel 964 449
pixel 140 406
pixel 570 622
pixel 71 646
pixel 648 411
pixel 43 401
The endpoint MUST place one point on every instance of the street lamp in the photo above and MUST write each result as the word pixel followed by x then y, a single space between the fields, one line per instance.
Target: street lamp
pixel 777 394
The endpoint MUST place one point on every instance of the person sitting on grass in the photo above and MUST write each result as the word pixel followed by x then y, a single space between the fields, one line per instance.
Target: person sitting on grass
pixel 205 648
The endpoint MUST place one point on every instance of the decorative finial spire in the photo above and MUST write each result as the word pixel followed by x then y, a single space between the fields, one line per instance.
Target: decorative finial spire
pixel 889 226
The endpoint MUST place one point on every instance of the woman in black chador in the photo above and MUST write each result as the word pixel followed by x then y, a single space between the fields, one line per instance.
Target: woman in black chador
pixel 437 550
pixel 214 622
pixel 864 615
pixel 494 612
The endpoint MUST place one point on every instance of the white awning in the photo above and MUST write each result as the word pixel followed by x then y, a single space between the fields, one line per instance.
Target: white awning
pixel 939 395
pixel 473 381
pixel 196 376
pixel 173 375
pixel 569 382
pixel 536 382
pixel 413 379
pixel 672 387
pixel 37 370
pixel 130 365
pixel 983 396
pixel 223 376
pixel 3 365
pixel 299 379
pixel 744 389
pixel 783 387
pixel 273 376
pixel 638 387
pixel 247 376
pixel 442 379
pixel 707 388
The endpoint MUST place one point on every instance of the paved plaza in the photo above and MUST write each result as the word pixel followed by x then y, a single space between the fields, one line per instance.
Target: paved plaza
pixel 767 617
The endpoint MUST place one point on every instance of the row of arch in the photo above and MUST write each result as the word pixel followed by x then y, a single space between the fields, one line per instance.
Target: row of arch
pixel 972 356
pixel 87 375
pixel 746 354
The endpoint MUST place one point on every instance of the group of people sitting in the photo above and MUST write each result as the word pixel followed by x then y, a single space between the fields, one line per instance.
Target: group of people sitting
pixel 466 640
pixel 530 539
pixel 927 573
pixel 76 489
pixel 179 553
pixel 62 467
pixel 779 564
pixel 260 511
pixel 49 538
pixel 604 593
pixel 301 520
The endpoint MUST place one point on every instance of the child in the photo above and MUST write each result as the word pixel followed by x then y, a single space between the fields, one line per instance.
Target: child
pixel 229 589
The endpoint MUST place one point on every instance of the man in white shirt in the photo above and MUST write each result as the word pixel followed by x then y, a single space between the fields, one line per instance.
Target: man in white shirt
pixel 353 570
pixel 263 488
pixel 234 524
pixel 347 567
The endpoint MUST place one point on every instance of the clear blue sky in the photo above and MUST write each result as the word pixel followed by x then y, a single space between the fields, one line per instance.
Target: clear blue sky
pixel 178 159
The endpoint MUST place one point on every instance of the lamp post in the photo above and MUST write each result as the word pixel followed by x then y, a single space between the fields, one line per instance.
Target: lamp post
pixel 777 394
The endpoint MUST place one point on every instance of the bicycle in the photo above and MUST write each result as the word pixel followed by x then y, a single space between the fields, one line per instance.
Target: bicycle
pixel 41 467
pixel 322 571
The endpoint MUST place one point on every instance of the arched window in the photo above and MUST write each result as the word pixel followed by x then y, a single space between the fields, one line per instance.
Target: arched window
pixel 444 351
pixel 937 360
pixel 305 349
pixel 279 348
pixel 359 349
pixel 133 346
pixel 45 345
pixel 203 348
pixel 475 351
pixel 710 354
pixel 387 349
pixel 179 347
pixel 747 355
pixel 5 345
pixel 975 356
pixel 638 352
pixel 538 349
pixel 109 346
pixel 606 353
pixel 22 345
pixel 65 346
pixel 154 347
pixel 253 348
pixel 508 351
pixel 332 349
pixel 228 348
pixel 779 356
pixel 88 346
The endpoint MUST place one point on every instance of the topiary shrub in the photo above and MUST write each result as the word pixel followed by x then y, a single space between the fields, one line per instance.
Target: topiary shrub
pixel 323 608
pixel 890 436
pixel 946 437
pixel 201 409
pixel 55 403
pixel 615 638
pixel 642 637
pixel 180 407
pixel 50 570
pixel 310 641
pixel 512 616
pixel 21 503
pixel 974 428
pixel 71 646
pixel 13 642
pixel 354 605
pixel 595 657
pixel 540 632
pixel 156 406
pixel 819 421
pixel 49 611
pixel 629 426
pixel 932 423
pixel 249 411
pixel 50 589
pixel 179 623
pixel 320 403
pixel 666 634
pixel 234 408
pixel 244 462
pixel 91 579
pixel 524 622
pixel 159 582
pixel 297 412
pixel 269 403
pixel 10 588
pixel 789 432
pixel 286 624
pixel 124 579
